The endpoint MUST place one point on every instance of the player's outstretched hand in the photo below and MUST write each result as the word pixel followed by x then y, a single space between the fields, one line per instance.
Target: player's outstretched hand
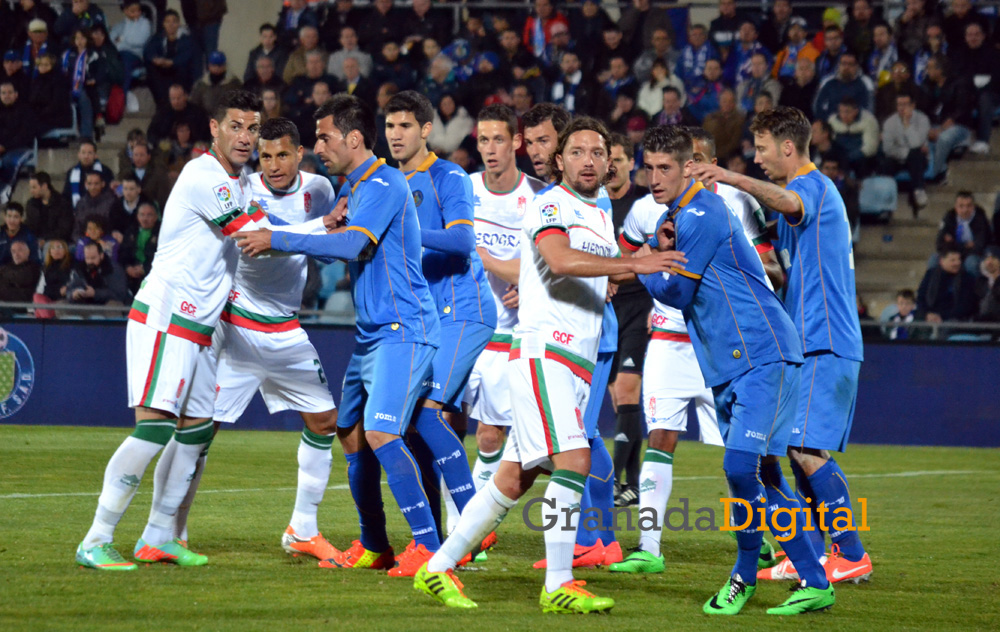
pixel 709 174
pixel 337 217
pixel 253 243
pixel 656 261
pixel 512 298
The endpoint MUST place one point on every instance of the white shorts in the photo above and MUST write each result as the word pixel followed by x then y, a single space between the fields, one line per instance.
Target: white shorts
pixel 672 379
pixel 169 373
pixel 488 391
pixel 548 402
pixel 283 366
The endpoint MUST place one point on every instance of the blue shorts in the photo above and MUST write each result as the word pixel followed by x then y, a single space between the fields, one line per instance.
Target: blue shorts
pixel 756 411
pixel 382 385
pixel 598 386
pixel 827 396
pixel 461 343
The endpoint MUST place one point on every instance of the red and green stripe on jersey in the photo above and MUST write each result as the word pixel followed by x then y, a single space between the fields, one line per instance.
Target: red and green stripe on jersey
pixel 235 220
pixel 178 326
pixel 667 334
pixel 500 342
pixel 258 322
pixel 153 375
pixel 580 367
pixel 541 394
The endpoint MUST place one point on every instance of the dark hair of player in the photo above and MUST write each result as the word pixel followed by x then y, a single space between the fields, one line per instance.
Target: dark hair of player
pixel 413 102
pixel 621 140
pixel 784 123
pixel 350 113
pixel 669 139
pixel 241 100
pixel 542 112
pixel 705 136
pixel 279 127
pixel 502 113
pixel 579 124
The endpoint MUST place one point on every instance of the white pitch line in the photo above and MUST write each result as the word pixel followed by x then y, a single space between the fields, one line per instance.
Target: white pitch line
pixel 340 487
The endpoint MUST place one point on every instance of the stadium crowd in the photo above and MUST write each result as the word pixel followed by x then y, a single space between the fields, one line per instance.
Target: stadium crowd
pixel 892 98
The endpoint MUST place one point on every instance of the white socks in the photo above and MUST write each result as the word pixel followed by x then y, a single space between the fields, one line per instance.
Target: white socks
pixel 655 482
pixel 167 498
pixel 487 464
pixel 485 511
pixel 314 475
pixel 566 489
pixel 451 509
pixel 181 519
pixel 121 480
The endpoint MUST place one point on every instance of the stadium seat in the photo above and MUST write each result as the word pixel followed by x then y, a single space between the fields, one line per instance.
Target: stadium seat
pixel 62 135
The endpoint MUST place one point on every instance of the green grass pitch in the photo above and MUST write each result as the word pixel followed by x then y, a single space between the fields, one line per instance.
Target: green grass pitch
pixel 932 513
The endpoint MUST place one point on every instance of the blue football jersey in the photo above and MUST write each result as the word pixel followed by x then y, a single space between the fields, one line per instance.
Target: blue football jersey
pixel 442 193
pixel 609 326
pixel 819 256
pixel 736 322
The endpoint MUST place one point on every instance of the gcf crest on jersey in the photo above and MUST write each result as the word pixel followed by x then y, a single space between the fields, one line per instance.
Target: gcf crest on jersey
pixel 224 194
pixel 17 374
pixel 418 198
pixel 522 205
pixel 550 214
pixel 307 201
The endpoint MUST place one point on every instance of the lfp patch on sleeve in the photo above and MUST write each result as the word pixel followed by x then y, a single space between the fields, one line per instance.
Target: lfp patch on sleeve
pixel 550 214
pixel 225 197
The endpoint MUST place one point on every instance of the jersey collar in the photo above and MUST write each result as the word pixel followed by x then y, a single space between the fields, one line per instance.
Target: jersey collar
pixel 520 178
pixel 279 192
pixel 686 197
pixel 589 202
pixel 234 176
pixel 364 171
pixel 807 168
pixel 424 166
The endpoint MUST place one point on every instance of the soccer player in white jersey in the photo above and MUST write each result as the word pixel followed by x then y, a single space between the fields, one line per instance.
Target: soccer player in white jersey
pixel 171 364
pixel 501 195
pixel 261 344
pixel 674 378
pixel 568 253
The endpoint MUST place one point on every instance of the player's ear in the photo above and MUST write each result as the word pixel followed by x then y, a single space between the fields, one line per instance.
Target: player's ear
pixel 559 162
pixel 213 127
pixel 425 131
pixel 518 139
pixel 302 152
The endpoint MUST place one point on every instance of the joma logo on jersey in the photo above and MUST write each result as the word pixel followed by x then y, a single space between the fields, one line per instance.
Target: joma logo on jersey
pixel 385 417
pixel 188 308
pixel 760 436
pixel 563 337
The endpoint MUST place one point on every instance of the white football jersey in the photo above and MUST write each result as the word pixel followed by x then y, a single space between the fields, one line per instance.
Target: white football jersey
pixel 272 286
pixel 195 260
pixel 498 218
pixel 747 208
pixel 563 314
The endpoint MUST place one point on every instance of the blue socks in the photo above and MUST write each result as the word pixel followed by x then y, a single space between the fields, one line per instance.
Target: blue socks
pixel 449 454
pixel 741 472
pixel 430 477
pixel 798 548
pixel 365 478
pixel 830 485
pixel 404 481
pixel 807 498
pixel 599 493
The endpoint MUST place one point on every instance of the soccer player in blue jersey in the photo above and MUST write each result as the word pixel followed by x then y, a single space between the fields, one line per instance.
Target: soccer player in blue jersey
pixel 750 355
pixel 442 192
pixel 815 246
pixel 397 328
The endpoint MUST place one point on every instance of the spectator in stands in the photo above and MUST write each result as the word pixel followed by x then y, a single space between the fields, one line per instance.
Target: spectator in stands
pixel 14 230
pixel 673 112
pixel 759 82
pixel 82 14
pixel 797 46
pixel 856 135
pixel 821 145
pixel 911 26
pixel 737 66
pixel 321 93
pixel 19 275
pixel 538 27
pixel 268 47
pixel 97 280
pixel 48 99
pixel 97 232
pixel 774 29
pixel 516 58
pixel 587 24
pixel 987 288
pixel 17 136
pixel 694 55
pixel 37 46
pixel 949 108
pixel 650 98
pixel 178 109
pixel 112 67
pixel 452 124
pixel 391 68
pixel 297 97
pixel 966 229
pixel 170 57
pixel 385 92
pixel 355 83
pixel 641 21
pixel 979 64
pixel 209 90
pixel 996 221
pixel 139 246
pixel 833 168
pixel 439 80
pixel 294 15
pixel 26 11
pixel 123 213
pixel 800 91
pixel 82 67
pixel 48 214
pixel 703 95
pixel 56 271
pixel 349 48
pixel 13 71
pixel 97 201
pixel 181 149
pixel 860 30
pixel 204 19
pixel 87 162
pixel 661 50
pixel 829 60
pixel 901 83
pixel 904 314
pixel 272 104
pixel 265 77
pixel 724 29
pixel 612 45
pixel 381 24
pixel 619 79
pixel 947 292
pixel 130 37
pixel 420 22
pixel 905 145
pixel 625 111
pixel 934 44
pixel 849 82
pixel 308 43
pixel 955 23
pixel 883 56
pixel 726 124
pixel 342 13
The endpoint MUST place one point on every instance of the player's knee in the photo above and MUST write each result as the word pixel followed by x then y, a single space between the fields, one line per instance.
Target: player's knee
pixel 324 423
pixel 741 468
pixel 628 388
pixel 663 440
pixel 573 460
pixel 489 439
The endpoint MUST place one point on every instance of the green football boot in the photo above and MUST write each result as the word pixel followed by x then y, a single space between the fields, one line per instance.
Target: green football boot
pixel 639 561
pixel 173 552
pixel 571 598
pixel 103 557
pixel 731 599
pixel 444 587
pixel 805 599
